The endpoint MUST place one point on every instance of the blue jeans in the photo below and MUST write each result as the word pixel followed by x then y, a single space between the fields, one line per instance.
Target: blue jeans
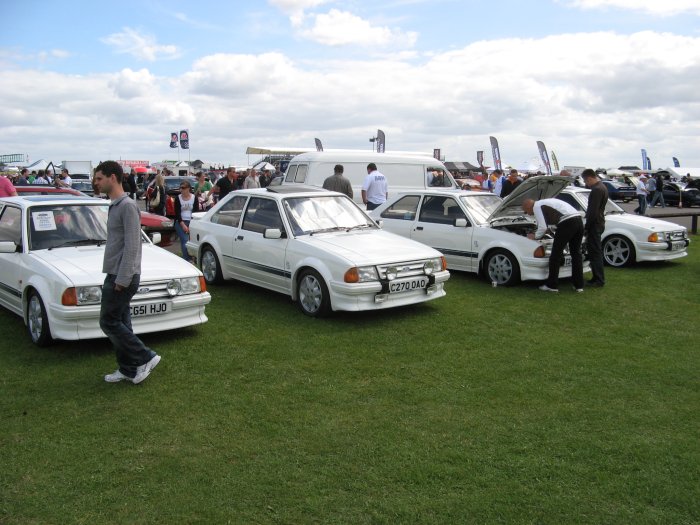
pixel 642 208
pixel 658 196
pixel 184 237
pixel 115 321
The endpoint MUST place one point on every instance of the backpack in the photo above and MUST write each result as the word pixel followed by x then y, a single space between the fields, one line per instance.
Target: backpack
pixel 155 201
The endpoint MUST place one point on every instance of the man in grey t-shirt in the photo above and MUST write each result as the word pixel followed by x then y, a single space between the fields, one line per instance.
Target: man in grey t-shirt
pixel 338 182
pixel 122 264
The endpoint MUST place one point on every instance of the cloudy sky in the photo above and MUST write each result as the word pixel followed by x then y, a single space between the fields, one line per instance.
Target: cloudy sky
pixel 596 80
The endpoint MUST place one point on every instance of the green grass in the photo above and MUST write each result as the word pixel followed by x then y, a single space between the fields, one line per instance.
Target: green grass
pixel 503 405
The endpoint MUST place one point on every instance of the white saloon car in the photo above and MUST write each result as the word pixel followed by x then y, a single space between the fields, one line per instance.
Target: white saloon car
pixel 51 252
pixel 316 246
pixel 478 231
pixel 629 238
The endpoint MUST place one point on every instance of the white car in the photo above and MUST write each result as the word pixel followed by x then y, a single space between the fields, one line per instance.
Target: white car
pixel 51 252
pixel 478 231
pixel 316 246
pixel 630 238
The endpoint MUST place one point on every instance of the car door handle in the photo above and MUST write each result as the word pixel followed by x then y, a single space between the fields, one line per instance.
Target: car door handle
pixel 419 228
pixel 239 238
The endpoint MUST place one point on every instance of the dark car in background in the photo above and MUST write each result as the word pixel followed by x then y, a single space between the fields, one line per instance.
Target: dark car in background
pixel 618 191
pixel 84 186
pixel 674 192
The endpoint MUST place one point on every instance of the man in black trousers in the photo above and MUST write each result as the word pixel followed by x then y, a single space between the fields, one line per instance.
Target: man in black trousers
pixel 595 224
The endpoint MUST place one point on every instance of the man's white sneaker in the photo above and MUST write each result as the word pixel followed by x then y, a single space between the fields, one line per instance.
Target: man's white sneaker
pixel 546 288
pixel 144 370
pixel 579 290
pixel 117 376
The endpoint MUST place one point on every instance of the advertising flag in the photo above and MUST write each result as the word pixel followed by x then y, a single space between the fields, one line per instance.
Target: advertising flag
pixel 184 139
pixel 496 153
pixel 480 158
pixel 436 153
pixel 544 156
pixel 173 139
pixel 644 159
pixel 555 162
pixel 319 146
pixel 676 164
pixel 649 163
pixel 381 141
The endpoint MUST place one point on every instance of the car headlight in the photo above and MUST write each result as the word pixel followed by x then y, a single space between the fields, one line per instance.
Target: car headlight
pixel 361 274
pixel 656 237
pixel 167 223
pixel 434 265
pixel 89 294
pixel 183 286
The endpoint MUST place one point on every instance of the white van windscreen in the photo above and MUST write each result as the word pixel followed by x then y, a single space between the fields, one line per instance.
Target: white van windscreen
pixel 301 173
pixel 291 173
pixel 439 177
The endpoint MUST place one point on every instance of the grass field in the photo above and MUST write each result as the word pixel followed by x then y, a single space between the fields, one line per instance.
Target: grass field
pixel 504 405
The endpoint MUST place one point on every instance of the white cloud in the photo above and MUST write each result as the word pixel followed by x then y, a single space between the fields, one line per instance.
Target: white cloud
pixel 338 28
pixel 140 45
pixel 129 84
pixel 655 7
pixel 295 9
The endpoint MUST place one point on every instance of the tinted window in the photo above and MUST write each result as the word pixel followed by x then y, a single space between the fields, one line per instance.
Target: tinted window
pixel 570 199
pixel 230 213
pixel 11 225
pixel 301 174
pixel 440 210
pixel 291 173
pixel 405 208
pixel 261 214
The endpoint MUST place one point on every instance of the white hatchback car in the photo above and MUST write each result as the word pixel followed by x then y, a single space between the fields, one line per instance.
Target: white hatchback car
pixel 316 246
pixel 630 238
pixel 478 231
pixel 51 252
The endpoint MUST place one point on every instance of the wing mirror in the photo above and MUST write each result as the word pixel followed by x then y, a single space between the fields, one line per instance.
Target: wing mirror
pixel 460 223
pixel 272 233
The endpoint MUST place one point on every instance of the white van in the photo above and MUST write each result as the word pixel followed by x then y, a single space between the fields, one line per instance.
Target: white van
pixel 404 172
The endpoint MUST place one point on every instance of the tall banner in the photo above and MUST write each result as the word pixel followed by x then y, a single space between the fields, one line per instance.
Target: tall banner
pixel 496 153
pixel 544 156
pixel 644 159
pixel 436 153
pixel 381 141
pixel 173 139
pixel 319 146
pixel 676 164
pixel 184 139
pixel 555 162
pixel 480 158
pixel 648 163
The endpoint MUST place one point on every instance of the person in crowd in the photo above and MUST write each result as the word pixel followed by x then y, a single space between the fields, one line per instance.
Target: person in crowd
pixel 374 189
pixel 225 185
pixel 41 178
pixel 512 182
pixel 641 191
pixel 185 205
pixel 7 189
pixel 338 182
pixel 157 198
pixel 129 184
pixel 122 266
pixel 499 179
pixel 595 224
pixel 22 179
pixel 64 179
pixel 202 189
pixel 569 230
pixel 252 180
pixel 658 195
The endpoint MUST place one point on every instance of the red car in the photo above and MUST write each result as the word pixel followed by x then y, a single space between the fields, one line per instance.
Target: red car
pixel 150 222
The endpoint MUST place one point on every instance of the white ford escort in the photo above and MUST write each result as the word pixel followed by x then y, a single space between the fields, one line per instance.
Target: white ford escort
pixel 51 252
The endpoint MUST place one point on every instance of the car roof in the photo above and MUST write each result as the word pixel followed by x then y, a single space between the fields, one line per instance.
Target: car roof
pixel 28 201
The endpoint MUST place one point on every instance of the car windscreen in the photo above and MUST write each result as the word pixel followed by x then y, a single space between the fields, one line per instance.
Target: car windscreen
pixel 55 226
pixel 481 206
pixel 610 206
pixel 308 215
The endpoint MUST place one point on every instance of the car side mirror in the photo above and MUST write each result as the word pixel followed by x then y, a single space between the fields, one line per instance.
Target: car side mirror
pixel 461 223
pixel 272 233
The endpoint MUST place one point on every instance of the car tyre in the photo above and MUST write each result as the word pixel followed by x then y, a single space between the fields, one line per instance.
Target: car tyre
pixel 618 251
pixel 210 266
pixel 312 294
pixel 38 321
pixel 502 267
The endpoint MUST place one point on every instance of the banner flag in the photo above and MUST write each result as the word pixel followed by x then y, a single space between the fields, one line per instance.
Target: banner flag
pixel 436 153
pixel 676 164
pixel 173 139
pixel 544 156
pixel 649 163
pixel 496 153
pixel 381 141
pixel 644 159
pixel 184 139
pixel 480 158
pixel 555 161
pixel 319 146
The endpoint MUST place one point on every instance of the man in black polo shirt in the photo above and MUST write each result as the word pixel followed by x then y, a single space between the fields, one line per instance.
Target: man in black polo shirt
pixel 225 185
pixel 595 224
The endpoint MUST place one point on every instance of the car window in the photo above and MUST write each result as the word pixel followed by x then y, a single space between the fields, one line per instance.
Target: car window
pixel 261 214
pixel 63 225
pixel 440 210
pixel 291 173
pixel 11 225
pixel 570 199
pixel 438 177
pixel 301 173
pixel 405 208
pixel 230 213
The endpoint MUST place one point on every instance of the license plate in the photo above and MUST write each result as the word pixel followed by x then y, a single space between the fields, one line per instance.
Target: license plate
pixel 141 310
pixel 408 285
pixel 677 245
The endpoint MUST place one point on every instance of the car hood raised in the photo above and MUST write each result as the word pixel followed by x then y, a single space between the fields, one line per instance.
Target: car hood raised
pixel 535 188
pixel 370 246
pixel 83 264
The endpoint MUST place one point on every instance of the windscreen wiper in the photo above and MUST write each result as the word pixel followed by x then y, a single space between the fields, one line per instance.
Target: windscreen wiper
pixel 79 242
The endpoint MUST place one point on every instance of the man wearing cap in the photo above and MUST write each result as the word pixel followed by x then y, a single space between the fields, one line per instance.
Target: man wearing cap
pixel 338 182
pixel 595 224
pixel 642 192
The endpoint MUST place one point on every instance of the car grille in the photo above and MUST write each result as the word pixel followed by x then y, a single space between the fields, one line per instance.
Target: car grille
pixel 403 269
pixel 152 290
pixel 677 235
